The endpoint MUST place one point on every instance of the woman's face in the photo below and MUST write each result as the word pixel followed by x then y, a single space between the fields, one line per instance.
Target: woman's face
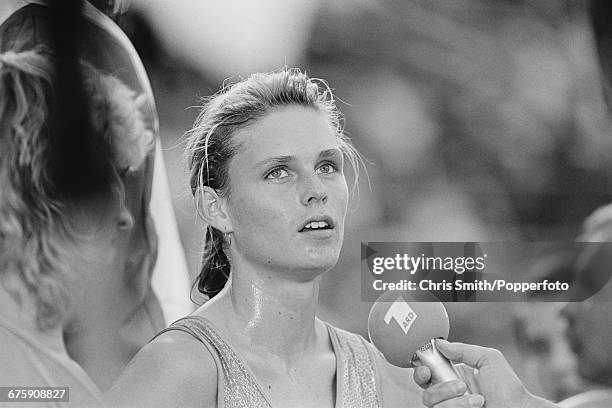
pixel 287 193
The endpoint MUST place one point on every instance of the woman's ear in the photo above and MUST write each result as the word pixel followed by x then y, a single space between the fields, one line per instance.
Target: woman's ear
pixel 126 220
pixel 213 209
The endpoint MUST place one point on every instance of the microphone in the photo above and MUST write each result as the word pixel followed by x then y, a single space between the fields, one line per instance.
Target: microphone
pixel 404 333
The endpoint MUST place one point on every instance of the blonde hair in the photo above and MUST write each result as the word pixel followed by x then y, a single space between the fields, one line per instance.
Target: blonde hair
pixel 34 224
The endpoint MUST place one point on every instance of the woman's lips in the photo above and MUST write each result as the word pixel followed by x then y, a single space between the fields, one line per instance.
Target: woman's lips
pixel 318 233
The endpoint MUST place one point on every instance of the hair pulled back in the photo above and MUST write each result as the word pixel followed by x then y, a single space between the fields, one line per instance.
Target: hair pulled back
pixel 36 227
pixel 211 145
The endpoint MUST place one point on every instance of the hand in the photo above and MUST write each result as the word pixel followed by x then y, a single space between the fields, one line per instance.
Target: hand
pixel 488 374
pixel 447 394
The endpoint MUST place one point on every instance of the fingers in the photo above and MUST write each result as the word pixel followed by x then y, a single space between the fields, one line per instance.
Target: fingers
pixel 468 375
pixel 440 392
pixel 474 356
pixel 466 401
pixel 422 376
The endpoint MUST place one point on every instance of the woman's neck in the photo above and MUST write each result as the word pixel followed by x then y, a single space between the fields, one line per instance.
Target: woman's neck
pixel 276 314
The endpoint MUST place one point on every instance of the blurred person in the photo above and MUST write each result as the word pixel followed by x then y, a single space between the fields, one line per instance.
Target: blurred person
pixel 549 365
pixel 266 157
pixel 103 343
pixel 590 322
pixel 58 252
pixel 115 310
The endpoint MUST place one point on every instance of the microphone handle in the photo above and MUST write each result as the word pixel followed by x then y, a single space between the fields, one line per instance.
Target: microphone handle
pixel 441 368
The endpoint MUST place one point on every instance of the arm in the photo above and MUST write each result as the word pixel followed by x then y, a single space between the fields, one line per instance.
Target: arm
pixel 175 370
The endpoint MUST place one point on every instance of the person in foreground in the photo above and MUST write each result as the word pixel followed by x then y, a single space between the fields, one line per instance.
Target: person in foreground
pixel 114 253
pixel 57 247
pixel 266 157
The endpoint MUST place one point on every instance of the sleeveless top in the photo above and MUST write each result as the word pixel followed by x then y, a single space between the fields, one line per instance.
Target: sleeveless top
pixel 357 382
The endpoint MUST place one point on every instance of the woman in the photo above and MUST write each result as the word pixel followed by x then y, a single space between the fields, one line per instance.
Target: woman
pixel 103 343
pixel 60 253
pixel 266 157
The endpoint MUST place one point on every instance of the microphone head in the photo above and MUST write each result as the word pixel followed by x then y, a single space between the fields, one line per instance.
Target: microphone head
pixel 398 326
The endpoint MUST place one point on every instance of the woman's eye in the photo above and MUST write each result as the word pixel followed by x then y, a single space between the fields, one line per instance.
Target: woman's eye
pixel 326 168
pixel 277 173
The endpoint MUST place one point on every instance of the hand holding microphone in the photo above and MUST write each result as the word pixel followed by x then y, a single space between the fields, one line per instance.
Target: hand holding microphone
pixel 412 334
pixel 487 373
pixel 404 333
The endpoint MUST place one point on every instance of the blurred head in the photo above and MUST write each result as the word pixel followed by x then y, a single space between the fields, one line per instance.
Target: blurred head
pixel 125 239
pixel 549 363
pixel 548 359
pixel 590 321
pixel 43 231
pixel 266 161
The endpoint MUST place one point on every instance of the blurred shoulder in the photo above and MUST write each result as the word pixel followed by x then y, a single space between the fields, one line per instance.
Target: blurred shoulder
pixel 175 369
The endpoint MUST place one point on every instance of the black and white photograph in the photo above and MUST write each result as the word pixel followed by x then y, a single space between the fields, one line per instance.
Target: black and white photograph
pixel 306 203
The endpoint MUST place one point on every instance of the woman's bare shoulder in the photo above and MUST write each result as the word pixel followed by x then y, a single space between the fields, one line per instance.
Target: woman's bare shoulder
pixel 174 370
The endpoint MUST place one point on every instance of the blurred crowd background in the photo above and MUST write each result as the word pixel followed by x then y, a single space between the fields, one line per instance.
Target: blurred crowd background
pixel 480 120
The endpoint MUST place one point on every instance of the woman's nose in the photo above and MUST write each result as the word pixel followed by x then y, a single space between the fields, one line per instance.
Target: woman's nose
pixel 313 191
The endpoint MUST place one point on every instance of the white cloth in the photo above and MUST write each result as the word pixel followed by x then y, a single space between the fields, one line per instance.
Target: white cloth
pixel 170 281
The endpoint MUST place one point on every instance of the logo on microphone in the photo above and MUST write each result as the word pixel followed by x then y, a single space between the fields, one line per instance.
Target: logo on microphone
pixel 402 313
